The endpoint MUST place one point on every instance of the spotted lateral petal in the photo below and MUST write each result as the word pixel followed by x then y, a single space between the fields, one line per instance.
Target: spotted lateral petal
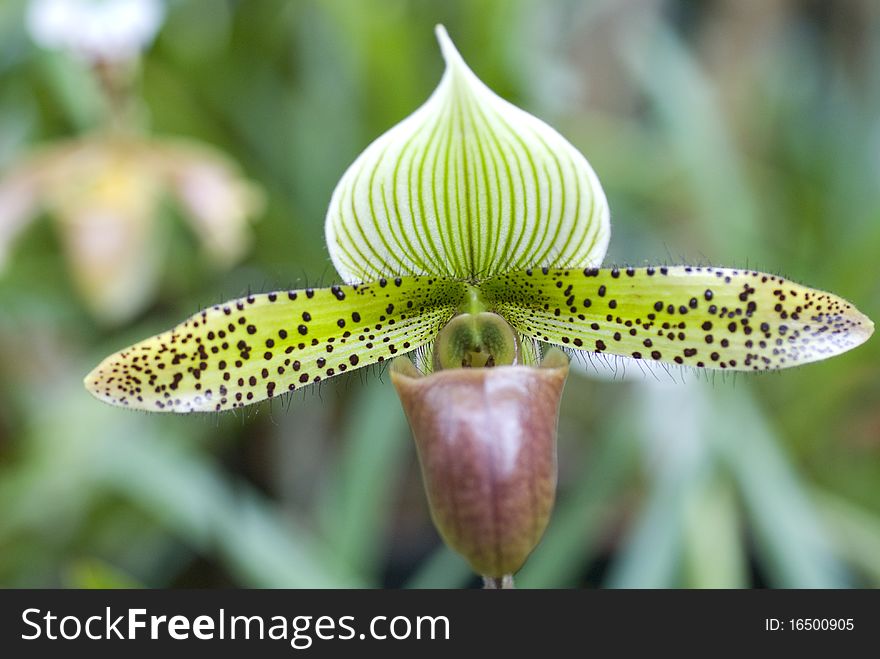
pixel 261 346
pixel 466 187
pixel 705 317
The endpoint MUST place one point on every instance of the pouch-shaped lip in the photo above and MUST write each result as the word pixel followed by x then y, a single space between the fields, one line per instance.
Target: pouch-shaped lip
pixel 486 439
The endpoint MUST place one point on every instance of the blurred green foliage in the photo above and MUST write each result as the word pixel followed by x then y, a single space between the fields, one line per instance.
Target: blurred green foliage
pixel 728 132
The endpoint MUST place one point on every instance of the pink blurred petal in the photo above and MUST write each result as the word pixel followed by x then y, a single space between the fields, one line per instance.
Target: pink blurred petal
pixel 218 202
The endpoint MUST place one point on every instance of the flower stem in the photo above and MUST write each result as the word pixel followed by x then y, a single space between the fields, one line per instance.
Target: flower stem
pixel 499 583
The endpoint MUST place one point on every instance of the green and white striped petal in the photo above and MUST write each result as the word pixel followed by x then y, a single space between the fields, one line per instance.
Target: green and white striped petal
pixel 466 187
pixel 261 346
pixel 720 318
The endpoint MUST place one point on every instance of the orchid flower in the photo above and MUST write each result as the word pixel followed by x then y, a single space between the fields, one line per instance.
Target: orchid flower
pixel 471 205
pixel 105 189
pixel 471 234
pixel 105 193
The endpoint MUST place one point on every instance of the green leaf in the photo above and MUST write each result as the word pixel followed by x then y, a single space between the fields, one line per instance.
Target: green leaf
pixel 261 346
pixel 358 502
pixel 697 316
pixel 466 187
pixel 789 541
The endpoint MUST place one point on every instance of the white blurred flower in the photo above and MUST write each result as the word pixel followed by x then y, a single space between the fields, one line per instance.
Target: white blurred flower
pixel 105 194
pixel 107 30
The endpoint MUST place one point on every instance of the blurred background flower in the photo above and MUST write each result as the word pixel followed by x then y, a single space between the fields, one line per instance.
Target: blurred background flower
pixel 733 132
pixel 105 190
pixel 105 193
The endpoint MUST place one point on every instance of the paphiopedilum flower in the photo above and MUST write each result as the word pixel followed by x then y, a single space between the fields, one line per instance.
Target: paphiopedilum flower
pixel 472 234
pixel 104 192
